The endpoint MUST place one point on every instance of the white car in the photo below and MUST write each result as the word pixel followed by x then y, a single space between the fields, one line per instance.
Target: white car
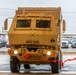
pixel 65 44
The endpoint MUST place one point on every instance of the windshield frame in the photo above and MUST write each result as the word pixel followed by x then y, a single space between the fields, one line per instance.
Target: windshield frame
pixel 33 23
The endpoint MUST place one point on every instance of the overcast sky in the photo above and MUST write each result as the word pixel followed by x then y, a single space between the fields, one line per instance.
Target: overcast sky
pixel 8 7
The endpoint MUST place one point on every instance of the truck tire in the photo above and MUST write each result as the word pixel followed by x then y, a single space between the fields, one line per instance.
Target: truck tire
pixel 14 65
pixel 56 65
pixel 26 66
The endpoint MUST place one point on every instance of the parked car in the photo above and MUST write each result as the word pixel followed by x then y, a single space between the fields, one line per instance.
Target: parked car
pixel 65 44
pixel 73 45
pixel 3 41
pixel 7 44
pixel 70 40
pixel 0 44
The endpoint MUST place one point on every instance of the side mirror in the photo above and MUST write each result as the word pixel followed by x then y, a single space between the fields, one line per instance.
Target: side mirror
pixel 6 24
pixel 64 26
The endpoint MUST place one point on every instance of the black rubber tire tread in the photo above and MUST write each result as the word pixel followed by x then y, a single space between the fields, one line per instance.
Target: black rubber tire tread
pixel 14 66
pixel 56 65
pixel 26 66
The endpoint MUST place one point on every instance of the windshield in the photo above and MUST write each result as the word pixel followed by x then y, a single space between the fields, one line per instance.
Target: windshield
pixel 43 23
pixel 23 23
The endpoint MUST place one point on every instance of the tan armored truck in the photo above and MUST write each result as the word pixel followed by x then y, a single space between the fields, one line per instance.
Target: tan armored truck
pixel 35 37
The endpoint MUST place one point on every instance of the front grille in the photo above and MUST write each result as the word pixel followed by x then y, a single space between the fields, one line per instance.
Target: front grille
pixel 33 45
pixel 32 49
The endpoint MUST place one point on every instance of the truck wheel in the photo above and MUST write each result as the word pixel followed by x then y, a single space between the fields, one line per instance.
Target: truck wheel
pixel 56 65
pixel 14 65
pixel 26 66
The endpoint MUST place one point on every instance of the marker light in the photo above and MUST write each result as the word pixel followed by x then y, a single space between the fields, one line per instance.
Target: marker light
pixel 15 52
pixel 48 53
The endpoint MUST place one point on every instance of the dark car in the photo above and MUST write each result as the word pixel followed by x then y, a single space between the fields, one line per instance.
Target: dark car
pixel 3 42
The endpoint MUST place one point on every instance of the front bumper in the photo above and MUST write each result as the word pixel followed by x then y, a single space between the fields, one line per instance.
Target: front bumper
pixel 39 56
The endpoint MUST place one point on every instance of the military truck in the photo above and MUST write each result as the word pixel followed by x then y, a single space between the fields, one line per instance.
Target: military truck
pixel 35 37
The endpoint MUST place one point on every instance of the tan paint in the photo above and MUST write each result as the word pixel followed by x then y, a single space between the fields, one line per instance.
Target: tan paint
pixel 36 41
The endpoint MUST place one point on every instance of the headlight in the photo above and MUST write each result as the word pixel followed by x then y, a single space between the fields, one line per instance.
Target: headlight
pixel 48 53
pixel 15 52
